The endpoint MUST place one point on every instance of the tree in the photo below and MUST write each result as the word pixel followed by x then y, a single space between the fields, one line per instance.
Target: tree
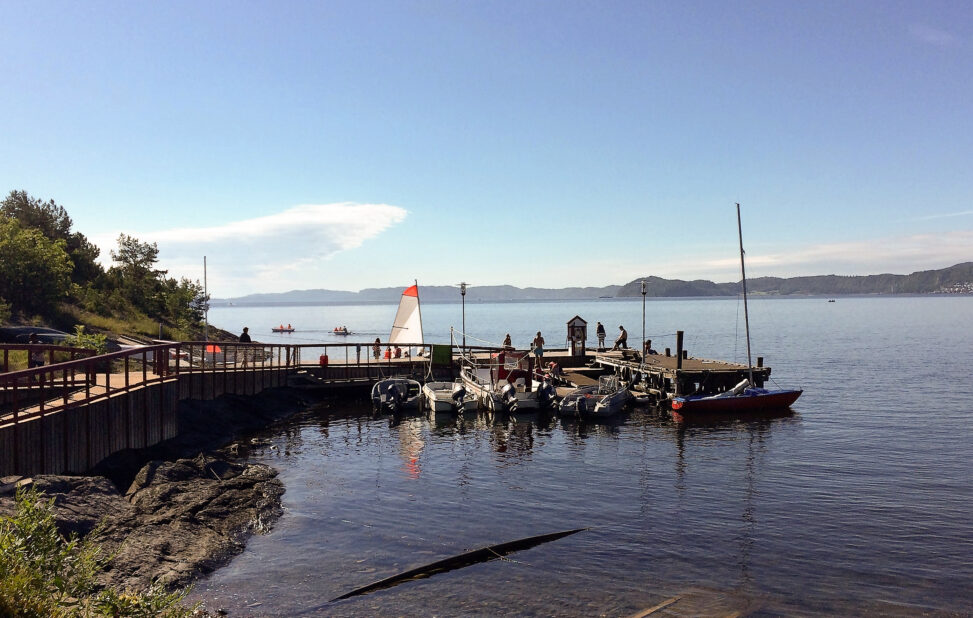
pixel 35 271
pixel 55 224
pixel 140 282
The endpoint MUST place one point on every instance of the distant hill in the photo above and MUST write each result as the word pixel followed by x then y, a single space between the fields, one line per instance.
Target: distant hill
pixel 955 279
pixel 429 293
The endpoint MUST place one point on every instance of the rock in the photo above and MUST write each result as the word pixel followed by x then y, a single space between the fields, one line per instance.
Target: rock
pixel 181 516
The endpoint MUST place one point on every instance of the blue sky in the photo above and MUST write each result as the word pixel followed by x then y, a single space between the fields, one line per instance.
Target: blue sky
pixel 345 145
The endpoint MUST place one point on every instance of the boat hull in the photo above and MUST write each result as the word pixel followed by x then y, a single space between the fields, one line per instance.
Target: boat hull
pixel 745 402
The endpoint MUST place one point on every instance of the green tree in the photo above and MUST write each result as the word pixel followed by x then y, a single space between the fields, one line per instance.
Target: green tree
pixel 136 275
pixel 184 302
pixel 35 271
pixel 55 224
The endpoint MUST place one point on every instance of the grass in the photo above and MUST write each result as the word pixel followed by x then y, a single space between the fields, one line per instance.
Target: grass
pixel 43 574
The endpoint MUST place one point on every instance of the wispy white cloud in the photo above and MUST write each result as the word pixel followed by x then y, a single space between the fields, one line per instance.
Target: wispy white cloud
pixel 944 215
pixel 267 253
pixel 933 36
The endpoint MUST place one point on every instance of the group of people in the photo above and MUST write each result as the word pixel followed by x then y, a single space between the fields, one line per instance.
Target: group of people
pixel 621 342
pixel 390 352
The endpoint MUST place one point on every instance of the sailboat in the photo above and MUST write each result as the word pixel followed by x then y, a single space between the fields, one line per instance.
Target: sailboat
pixel 395 394
pixel 407 327
pixel 745 396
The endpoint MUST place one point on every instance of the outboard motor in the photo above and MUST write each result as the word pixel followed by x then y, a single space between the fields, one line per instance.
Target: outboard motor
pixel 459 394
pixel 393 398
pixel 508 394
pixel 546 393
pixel 582 405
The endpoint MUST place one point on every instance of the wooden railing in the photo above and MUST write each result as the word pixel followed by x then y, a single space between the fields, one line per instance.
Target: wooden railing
pixel 29 393
pixel 52 353
pixel 84 377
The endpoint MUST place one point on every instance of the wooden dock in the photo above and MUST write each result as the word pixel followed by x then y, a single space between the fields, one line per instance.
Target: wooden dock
pixel 664 377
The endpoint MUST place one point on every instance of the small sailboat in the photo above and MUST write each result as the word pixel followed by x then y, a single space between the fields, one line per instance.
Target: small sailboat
pixel 407 326
pixel 396 394
pixel 745 396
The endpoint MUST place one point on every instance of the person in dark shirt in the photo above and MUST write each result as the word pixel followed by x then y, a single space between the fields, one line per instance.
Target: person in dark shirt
pixel 245 338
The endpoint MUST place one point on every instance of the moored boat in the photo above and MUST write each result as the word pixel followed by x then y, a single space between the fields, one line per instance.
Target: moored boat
pixel 606 398
pixel 396 394
pixel 742 398
pixel 448 397
pixel 747 396
pixel 504 383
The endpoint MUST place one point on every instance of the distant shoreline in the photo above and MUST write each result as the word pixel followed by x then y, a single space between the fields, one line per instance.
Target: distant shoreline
pixel 223 304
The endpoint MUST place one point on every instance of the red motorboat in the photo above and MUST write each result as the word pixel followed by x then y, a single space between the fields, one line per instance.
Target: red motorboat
pixel 748 399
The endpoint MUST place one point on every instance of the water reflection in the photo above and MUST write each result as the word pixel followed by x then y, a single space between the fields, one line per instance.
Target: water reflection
pixel 671 506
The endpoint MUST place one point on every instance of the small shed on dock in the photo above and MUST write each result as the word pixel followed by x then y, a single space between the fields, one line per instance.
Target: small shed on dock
pixel 577 335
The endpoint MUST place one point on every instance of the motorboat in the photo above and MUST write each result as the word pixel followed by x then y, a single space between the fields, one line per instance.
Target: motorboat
pixel 741 398
pixel 282 329
pixel 396 395
pixel 341 330
pixel 504 383
pixel 606 398
pixel 448 397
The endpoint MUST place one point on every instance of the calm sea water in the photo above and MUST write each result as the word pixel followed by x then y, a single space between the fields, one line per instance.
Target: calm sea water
pixel 858 502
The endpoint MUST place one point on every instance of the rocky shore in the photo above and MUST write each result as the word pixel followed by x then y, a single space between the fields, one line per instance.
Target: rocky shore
pixel 182 508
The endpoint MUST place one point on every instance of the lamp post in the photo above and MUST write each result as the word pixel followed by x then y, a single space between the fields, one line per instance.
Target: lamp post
pixel 462 292
pixel 643 316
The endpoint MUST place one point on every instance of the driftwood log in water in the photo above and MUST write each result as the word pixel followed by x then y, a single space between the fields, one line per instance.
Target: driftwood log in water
pixel 484 554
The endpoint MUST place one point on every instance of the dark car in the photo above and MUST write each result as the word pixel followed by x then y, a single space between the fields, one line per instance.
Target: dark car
pixel 21 334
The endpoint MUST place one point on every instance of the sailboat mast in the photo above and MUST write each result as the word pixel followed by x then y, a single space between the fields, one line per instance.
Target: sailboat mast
pixel 746 313
pixel 419 309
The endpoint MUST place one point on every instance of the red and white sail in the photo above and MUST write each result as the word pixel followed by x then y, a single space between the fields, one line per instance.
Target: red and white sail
pixel 407 327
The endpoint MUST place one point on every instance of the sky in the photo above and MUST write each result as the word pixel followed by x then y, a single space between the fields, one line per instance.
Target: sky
pixel 346 145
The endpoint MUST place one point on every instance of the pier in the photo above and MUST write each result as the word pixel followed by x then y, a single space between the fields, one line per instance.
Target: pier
pixel 71 413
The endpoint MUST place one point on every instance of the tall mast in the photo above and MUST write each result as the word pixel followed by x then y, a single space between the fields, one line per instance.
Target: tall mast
pixel 419 309
pixel 746 313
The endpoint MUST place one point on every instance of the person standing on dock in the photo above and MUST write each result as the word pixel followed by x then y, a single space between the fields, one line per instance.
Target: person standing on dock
pixel 35 357
pixel 622 341
pixel 377 348
pixel 245 338
pixel 600 331
pixel 538 345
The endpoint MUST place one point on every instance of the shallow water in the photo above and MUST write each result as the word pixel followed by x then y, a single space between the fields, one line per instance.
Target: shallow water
pixel 856 502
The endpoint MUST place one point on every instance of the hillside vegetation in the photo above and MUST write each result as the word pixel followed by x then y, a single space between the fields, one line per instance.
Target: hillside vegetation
pixel 49 275
pixel 958 278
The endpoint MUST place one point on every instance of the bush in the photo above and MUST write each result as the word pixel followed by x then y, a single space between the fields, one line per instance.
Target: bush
pixel 42 574
pixel 82 339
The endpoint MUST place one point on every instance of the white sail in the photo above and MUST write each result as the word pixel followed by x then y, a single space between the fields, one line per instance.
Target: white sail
pixel 407 327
